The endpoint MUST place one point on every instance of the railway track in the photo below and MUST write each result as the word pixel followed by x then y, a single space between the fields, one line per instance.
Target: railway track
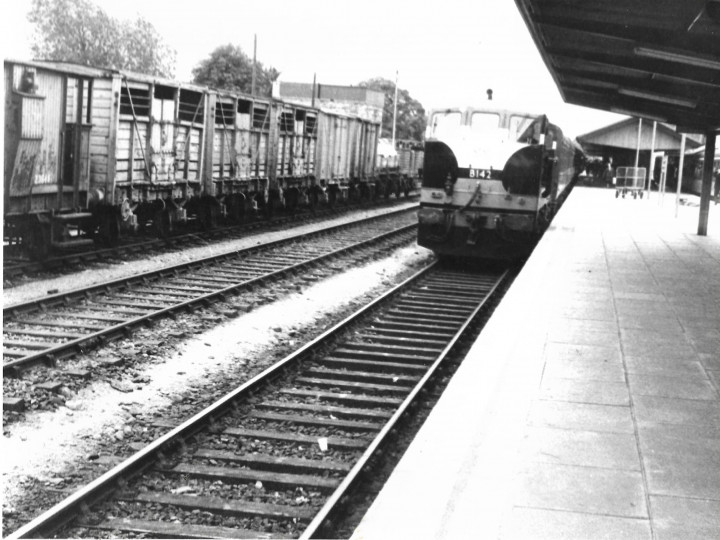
pixel 62 325
pixel 15 265
pixel 276 457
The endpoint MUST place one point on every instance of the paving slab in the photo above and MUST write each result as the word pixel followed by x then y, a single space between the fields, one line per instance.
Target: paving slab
pixel 681 460
pixel 585 391
pixel 542 524
pixel 677 517
pixel 672 386
pixel 582 489
pixel 583 448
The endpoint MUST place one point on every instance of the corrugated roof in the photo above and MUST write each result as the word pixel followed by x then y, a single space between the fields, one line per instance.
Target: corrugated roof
pixel 657 59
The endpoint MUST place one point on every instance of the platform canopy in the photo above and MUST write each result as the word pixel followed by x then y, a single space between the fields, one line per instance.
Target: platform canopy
pixel 655 59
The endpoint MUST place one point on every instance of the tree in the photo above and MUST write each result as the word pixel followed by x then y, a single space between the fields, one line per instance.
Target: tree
pixel 79 31
pixel 229 68
pixel 411 119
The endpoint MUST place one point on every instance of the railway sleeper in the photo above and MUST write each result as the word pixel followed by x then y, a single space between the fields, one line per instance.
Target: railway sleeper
pixel 365 376
pixel 353 385
pixel 274 463
pixel 217 505
pixel 402 338
pixel 458 283
pixel 443 314
pixel 410 349
pixel 354 354
pixel 40 333
pixel 162 293
pixel 373 365
pixel 96 310
pixel 343 443
pixel 350 412
pixel 164 529
pixel 316 421
pixel 29 345
pixel 433 306
pixel 343 397
pixel 133 305
pixel 407 324
pixel 38 322
pixel 461 299
pixel 451 322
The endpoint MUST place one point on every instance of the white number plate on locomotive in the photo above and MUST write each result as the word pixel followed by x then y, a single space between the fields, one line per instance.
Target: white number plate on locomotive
pixel 478 173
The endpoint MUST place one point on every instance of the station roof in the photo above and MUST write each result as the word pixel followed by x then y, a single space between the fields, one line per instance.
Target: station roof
pixel 656 59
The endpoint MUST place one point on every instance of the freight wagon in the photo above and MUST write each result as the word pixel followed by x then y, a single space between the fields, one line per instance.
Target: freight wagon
pixel 92 154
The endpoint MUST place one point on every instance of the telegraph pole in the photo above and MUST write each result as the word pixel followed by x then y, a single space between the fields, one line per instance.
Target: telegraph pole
pixel 252 84
pixel 394 109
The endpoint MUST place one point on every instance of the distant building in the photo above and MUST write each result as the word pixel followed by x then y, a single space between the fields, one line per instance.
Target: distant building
pixel 619 141
pixel 355 100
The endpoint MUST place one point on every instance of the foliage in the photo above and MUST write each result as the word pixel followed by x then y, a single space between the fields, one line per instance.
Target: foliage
pixel 410 112
pixel 229 68
pixel 79 31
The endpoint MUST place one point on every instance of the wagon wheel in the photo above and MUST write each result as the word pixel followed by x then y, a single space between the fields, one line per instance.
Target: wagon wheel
pixel 161 223
pixel 292 197
pixel 314 197
pixel 38 241
pixel 208 216
pixel 236 208
pixel 109 230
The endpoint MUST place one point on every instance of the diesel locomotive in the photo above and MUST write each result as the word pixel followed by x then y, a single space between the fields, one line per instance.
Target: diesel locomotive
pixel 492 181
pixel 93 154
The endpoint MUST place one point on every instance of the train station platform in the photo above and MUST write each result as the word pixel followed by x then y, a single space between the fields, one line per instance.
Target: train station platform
pixel 589 406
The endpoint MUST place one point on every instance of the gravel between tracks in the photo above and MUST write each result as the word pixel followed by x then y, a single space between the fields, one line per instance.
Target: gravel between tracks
pixel 45 446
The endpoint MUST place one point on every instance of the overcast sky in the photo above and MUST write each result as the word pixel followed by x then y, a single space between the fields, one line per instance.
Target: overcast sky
pixel 447 52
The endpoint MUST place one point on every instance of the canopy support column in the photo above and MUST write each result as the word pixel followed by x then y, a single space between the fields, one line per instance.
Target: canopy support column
pixel 706 183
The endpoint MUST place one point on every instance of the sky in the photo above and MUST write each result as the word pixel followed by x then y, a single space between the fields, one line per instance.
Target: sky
pixel 446 53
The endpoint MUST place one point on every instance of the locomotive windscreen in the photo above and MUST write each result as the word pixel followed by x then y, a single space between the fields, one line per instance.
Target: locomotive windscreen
pixel 439 163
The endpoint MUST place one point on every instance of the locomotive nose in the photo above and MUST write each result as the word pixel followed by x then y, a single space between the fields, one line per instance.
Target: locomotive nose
pixel 524 171
pixel 440 168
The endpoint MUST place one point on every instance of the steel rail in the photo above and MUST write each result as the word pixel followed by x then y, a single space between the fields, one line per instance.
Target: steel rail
pixel 64 350
pixel 102 487
pixel 315 526
pixel 61 298
pixel 13 270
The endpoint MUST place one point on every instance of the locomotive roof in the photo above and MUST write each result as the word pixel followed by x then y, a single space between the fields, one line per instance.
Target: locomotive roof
pixel 487 107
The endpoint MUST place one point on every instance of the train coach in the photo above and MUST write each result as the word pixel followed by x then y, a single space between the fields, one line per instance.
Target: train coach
pixel 92 154
pixel 492 181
